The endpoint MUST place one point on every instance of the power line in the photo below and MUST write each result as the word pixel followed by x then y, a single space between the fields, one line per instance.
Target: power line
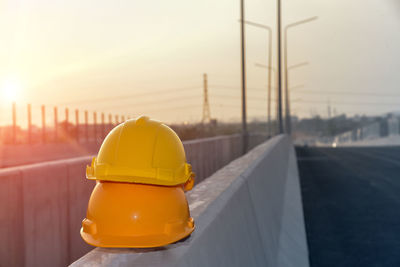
pixel 199 106
pixel 163 101
pixel 347 103
pixel 151 93
pixel 175 108
pixel 236 107
pixel 253 98
pixel 221 86
pixel 122 97
pixel 149 103
pixel 346 93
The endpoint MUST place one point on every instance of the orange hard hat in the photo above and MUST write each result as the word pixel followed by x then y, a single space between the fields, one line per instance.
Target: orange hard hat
pixel 136 215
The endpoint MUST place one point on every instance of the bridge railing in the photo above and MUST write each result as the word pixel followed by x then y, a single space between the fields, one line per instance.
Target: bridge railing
pixel 249 213
pixel 381 131
pixel 42 205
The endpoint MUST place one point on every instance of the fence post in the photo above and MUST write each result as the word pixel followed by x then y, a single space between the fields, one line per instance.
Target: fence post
pixel 110 126
pixel 116 119
pixel 87 126
pixel 66 122
pixel 102 126
pixel 29 124
pixel 95 126
pixel 123 118
pixel 77 124
pixel 14 123
pixel 55 125
pixel 43 124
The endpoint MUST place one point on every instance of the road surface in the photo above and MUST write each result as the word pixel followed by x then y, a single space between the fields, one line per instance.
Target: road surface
pixel 351 199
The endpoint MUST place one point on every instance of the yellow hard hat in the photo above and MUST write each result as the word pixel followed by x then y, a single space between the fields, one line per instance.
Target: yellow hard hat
pixel 136 215
pixel 142 151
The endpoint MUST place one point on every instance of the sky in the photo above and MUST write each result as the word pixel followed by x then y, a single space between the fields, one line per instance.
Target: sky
pixel 148 57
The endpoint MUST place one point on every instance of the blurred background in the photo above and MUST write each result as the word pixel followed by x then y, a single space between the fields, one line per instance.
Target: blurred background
pixel 72 70
pixel 68 66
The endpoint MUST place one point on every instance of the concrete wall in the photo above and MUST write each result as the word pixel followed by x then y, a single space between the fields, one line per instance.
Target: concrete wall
pixel 42 205
pixel 393 140
pixel 247 214
pixel 386 131
pixel 22 154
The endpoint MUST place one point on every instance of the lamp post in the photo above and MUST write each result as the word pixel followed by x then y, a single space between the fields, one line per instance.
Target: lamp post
pixel 287 95
pixel 287 27
pixel 268 28
pixel 291 88
pixel 279 66
pixel 269 68
pixel 243 65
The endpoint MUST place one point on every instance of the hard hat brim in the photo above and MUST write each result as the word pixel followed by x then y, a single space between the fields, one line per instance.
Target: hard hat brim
pixel 148 241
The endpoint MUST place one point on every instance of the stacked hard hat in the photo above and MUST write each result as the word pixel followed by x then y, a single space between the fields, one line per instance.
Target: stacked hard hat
pixel 139 200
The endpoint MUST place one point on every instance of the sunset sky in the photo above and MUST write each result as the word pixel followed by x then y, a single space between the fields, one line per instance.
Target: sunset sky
pixel 148 57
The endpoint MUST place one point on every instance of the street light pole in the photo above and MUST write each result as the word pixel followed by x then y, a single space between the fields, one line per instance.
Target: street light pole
pixel 279 68
pixel 274 70
pixel 287 27
pixel 287 95
pixel 269 93
pixel 269 69
pixel 242 37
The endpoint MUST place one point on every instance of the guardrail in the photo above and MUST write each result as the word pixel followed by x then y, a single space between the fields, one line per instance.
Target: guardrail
pixel 247 214
pixel 383 131
pixel 24 154
pixel 42 205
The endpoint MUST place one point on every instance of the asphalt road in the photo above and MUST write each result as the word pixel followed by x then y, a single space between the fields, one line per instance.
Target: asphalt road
pixel 351 200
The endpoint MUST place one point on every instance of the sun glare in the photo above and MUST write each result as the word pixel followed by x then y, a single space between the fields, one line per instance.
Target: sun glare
pixel 10 90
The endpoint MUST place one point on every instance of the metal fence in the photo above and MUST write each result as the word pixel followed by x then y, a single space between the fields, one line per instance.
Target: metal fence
pixel 389 126
pixel 82 126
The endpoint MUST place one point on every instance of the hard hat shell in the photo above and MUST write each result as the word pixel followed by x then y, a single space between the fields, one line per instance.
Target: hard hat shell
pixel 141 151
pixel 136 215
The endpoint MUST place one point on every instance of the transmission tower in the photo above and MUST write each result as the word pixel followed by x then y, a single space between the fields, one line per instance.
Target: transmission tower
pixel 329 109
pixel 206 105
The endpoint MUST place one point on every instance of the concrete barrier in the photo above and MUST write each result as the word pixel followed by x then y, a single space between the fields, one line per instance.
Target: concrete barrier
pixel 23 154
pixel 45 202
pixel 42 205
pixel 393 140
pixel 247 214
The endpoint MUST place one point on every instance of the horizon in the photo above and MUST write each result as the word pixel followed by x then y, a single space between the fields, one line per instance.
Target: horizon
pixel 134 48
